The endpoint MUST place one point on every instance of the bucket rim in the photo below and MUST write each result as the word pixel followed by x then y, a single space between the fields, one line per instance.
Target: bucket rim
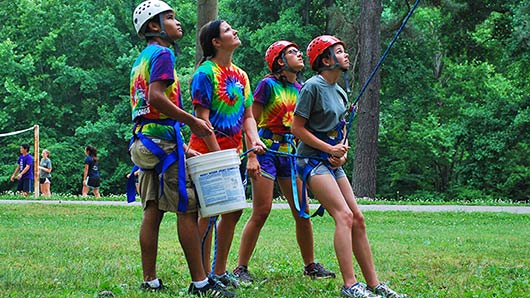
pixel 214 153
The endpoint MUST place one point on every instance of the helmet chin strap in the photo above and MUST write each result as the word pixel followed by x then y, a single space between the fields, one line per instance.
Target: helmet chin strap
pixel 344 70
pixel 286 67
pixel 164 36
pixel 335 65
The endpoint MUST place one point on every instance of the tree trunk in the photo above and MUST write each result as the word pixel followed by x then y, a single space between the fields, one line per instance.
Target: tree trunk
pixel 365 163
pixel 207 10
pixel 330 14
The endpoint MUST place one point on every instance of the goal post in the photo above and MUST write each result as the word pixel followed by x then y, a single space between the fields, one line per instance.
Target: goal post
pixel 36 171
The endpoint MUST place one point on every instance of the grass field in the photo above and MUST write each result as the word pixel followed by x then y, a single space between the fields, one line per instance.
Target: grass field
pixel 79 251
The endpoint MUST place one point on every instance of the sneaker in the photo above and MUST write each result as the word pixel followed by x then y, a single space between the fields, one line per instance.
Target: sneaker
pixel 317 271
pixel 229 280
pixel 242 274
pixel 384 291
pixel 357 290
pixel 212 289
pixel 145 286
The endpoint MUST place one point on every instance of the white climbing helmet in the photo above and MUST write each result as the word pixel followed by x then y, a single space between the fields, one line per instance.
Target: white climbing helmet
pixel 145 11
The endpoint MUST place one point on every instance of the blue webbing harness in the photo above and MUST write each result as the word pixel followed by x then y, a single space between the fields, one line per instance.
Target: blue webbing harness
pixel 288 139
pixel 333 138
pixel 165 161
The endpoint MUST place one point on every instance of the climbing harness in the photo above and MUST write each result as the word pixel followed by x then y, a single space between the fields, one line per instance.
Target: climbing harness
pixel 165 160
pixel 278 140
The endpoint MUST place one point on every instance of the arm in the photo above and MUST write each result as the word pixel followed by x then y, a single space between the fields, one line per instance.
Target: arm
pixel 85 173
pixel 257 109
pixel 159 100
pixel 47 170
pixel 253 166
pixel 24 171
pixel 251 133
pixel 303 134
pixel 211 141
pixel 15 173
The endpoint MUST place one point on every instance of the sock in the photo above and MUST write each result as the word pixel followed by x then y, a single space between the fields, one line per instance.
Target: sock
pixel 201 284
pixel 155 283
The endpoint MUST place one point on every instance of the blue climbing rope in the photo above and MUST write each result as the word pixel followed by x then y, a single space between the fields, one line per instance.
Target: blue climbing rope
pixel 212 222
pixel 353 109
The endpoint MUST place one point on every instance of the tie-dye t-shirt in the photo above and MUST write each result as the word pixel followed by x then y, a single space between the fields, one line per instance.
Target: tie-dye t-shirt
pixel 278 102
pixel 155 63
pixel 225 91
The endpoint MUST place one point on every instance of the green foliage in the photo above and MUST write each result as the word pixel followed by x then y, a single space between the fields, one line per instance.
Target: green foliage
pixel 454 98
pixel 458 132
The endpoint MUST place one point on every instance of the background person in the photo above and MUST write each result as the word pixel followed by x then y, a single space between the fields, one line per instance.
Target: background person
pixel 221 95
pixel 24 171
pixel 45 176
pixel 91 179
pixel 274 101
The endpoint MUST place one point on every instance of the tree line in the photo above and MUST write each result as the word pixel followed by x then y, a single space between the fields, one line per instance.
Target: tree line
pixel 453 107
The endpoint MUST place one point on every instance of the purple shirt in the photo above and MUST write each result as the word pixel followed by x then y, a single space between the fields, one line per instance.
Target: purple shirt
pixel 22 162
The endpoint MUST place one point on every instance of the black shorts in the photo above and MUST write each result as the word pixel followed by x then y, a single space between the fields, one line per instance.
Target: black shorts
pixel 93 182
pixel 45 180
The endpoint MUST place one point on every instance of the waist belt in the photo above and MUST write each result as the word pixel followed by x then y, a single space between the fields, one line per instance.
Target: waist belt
pixel 289 140
pixel 278 137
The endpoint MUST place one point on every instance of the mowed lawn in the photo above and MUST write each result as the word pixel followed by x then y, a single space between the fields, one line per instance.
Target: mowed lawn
pixel 81 250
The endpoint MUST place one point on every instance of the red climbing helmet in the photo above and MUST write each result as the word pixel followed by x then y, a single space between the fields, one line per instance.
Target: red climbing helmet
pixel 275 49
pixel 318 45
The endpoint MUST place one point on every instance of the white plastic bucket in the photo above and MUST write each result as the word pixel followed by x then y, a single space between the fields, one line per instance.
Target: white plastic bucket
pixel 218 182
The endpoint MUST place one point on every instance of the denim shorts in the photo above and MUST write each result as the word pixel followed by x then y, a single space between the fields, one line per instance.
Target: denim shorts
pixel 320 169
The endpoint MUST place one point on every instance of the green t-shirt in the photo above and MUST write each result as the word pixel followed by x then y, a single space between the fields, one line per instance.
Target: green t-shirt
pixel 45 163
pixel 323 105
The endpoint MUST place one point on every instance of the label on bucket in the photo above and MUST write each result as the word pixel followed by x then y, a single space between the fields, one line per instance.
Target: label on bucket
pixel 221 185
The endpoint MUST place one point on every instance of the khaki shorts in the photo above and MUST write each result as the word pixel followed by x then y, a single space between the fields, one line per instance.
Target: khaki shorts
pixel 150 182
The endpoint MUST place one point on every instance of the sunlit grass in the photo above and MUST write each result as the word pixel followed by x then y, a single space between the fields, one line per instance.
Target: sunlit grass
pixel 79 251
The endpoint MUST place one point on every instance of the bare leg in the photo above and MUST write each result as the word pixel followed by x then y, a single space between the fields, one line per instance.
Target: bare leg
pixel 149 239
pixel 46 187
pixel 360 243
pixel 304 228
pixel 190 241
pixel 262 189
pixel 84 191
pixel 226 229
pixel 328 193
pixel 206 247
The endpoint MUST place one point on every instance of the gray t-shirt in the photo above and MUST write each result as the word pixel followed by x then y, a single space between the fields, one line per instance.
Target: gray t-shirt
pixel 323 105
pixel 46 163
